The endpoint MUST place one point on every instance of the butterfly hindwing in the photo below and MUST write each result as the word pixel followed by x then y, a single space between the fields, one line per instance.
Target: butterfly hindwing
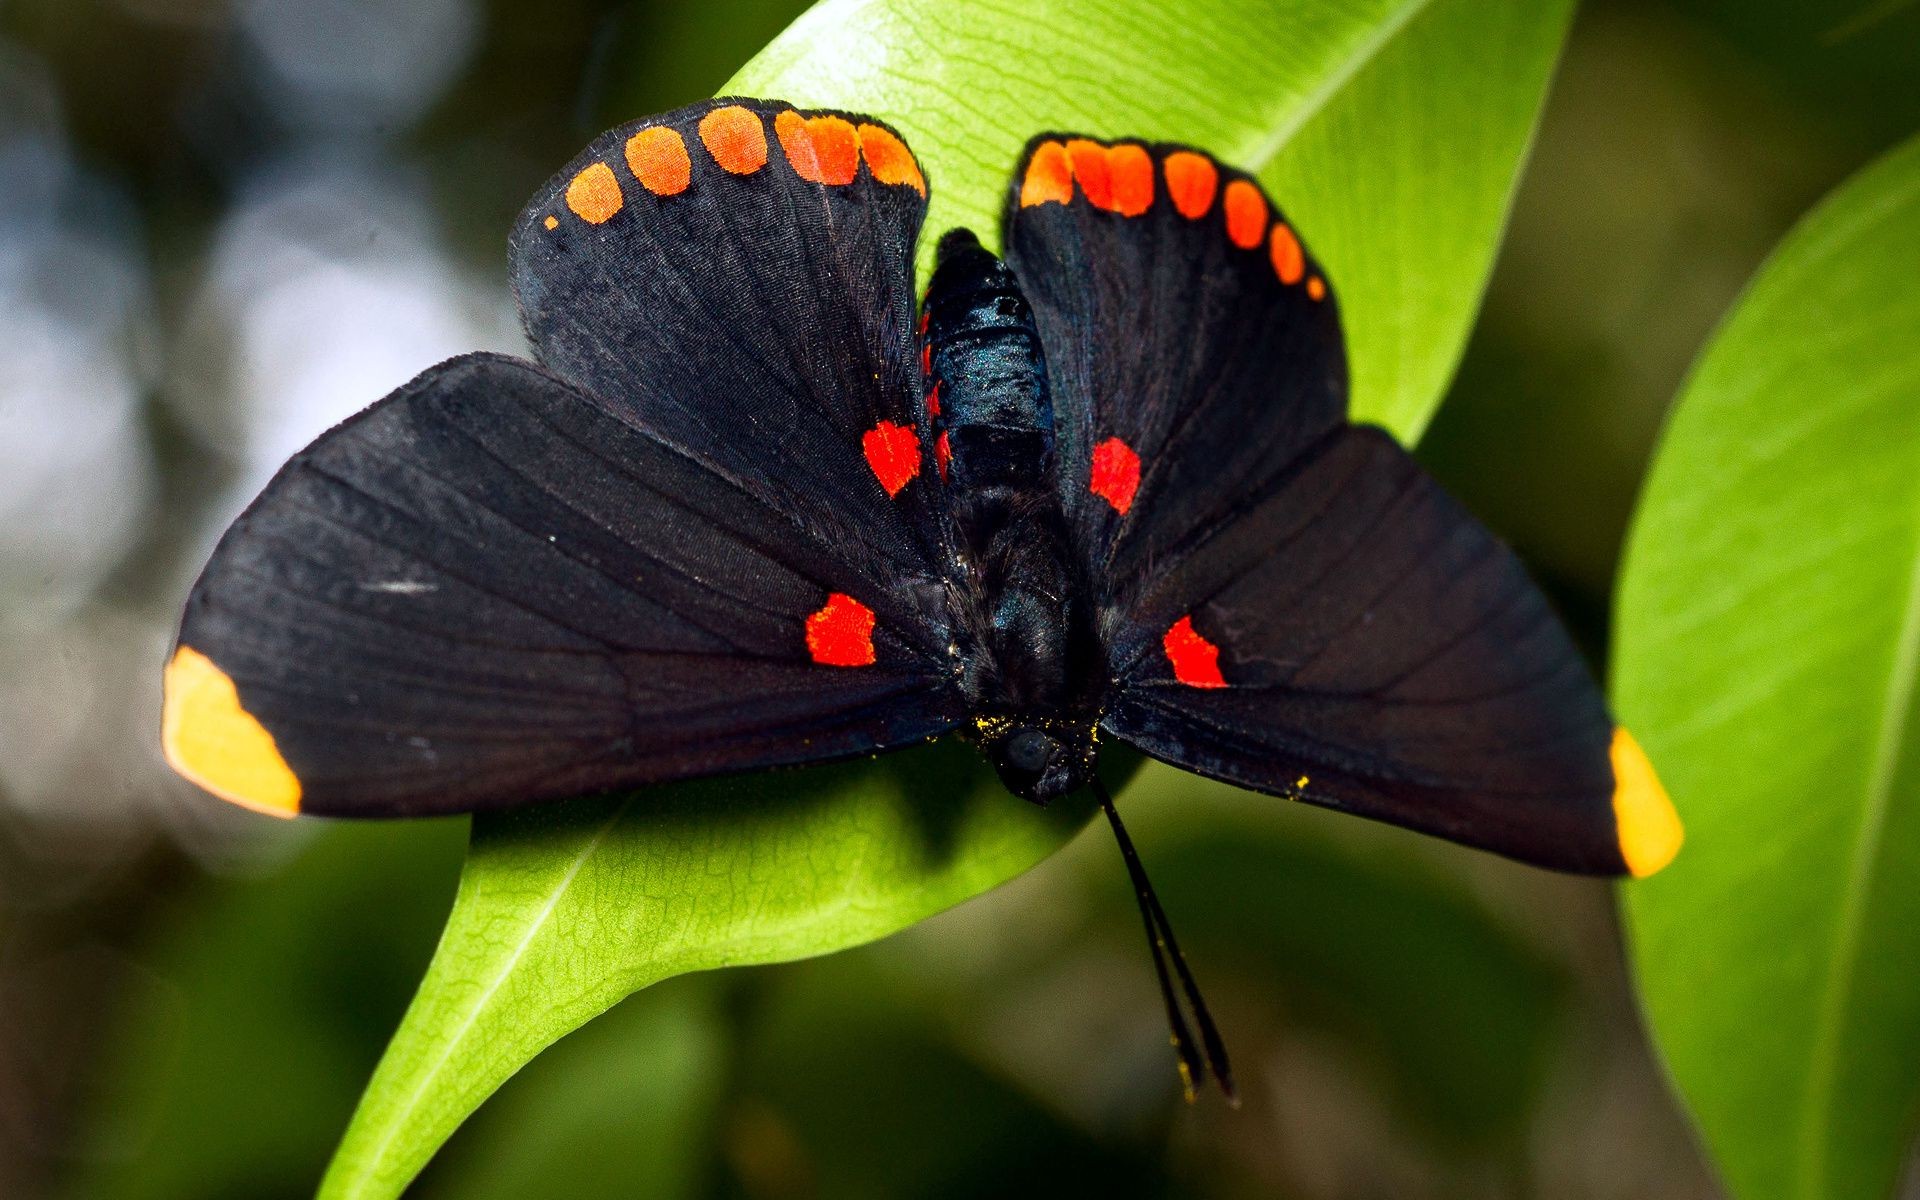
pixel 488 589
pixel 1357 640
pixel 740 275
pixel 1288 603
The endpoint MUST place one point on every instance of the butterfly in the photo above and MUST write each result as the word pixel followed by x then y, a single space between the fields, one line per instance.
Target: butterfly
pixel 754 507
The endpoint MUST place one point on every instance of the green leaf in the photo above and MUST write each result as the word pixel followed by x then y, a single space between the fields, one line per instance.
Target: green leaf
pixel 649 1075
pixel 1392 131
pixel 1769 638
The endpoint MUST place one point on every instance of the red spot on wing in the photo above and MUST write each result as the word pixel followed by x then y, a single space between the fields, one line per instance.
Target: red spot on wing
pixel 1132 171
pixel 1116 473
pixel 889 159
pixel 841 633
pixel 942 454
pixel 819 149
pixel 1289 261
pixel 1192 180
pixel 893 451
pixel 1196 661
pixel 1246 214
pixel 1117 179
pixel 1049 178
pixel 1091 172
pixel 933 401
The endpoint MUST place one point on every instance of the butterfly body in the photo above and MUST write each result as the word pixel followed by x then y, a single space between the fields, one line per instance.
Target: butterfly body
pixel 1026 649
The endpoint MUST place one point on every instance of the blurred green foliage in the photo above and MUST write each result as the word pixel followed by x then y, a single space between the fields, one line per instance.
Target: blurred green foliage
pixel 189 1005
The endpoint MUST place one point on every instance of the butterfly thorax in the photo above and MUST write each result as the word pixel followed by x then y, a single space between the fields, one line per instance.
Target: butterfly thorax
pixel 1025 646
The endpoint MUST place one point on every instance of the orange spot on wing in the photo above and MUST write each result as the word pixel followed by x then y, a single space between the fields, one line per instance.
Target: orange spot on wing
pixel 1317 288
pixel 1289 262
pixel 1116 473
pixel 552 222
pixel 893 451
pixel 658 159
pixel 1195 660
pixel 736 139
pixel 1246 214
pixel 1649 829
pixel 841 633
pixel 1132 171
pixel 594 195
pixel 933 401
pixel 1192 180
pixel 212 740
pixel 820 149
pixel 889 159
pixel 942 454
pixel 1049 178
pixel 1113 178
pixel 1091 171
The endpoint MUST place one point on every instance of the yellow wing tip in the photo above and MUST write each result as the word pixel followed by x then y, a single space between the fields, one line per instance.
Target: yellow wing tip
pixel 210 739
pixel 1649 829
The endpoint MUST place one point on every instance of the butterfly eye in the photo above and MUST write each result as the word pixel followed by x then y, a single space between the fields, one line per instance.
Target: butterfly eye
pixel 1029 750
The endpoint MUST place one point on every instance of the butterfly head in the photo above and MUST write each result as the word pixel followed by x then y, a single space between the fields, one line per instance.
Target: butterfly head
pixel 1039 761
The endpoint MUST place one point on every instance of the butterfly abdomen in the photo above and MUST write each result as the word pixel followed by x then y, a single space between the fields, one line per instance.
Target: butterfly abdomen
pixel 1024 637
pixel 983 350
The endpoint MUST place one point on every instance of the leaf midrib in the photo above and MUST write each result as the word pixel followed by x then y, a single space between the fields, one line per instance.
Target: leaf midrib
pixel 1288 124
pixel 505 968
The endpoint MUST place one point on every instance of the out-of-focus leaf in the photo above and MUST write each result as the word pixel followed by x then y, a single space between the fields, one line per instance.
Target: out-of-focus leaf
pixel 832 1100
pixel 1391 129
pixel 1454 1015
pixel 1768 647
pixel 229 1074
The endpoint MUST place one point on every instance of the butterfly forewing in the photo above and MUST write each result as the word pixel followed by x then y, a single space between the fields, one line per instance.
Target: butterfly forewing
pixel 1287 602
pixel 740 275
pixel 1192 344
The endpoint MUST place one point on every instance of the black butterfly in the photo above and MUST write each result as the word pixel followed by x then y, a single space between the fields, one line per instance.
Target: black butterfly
pixel 743 513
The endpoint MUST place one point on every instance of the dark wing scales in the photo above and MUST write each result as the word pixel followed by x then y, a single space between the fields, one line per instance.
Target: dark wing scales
pixel 1193 345
pixel 488 589
pixel 1287 602
pixel 739 276
pixel 1378 651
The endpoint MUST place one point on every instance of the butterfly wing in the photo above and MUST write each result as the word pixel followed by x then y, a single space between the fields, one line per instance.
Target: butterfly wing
pixel 1357 640
pixel 489 588
pixel 1289 603
pixel 739 275
pixel 1193 346
pixel 690 544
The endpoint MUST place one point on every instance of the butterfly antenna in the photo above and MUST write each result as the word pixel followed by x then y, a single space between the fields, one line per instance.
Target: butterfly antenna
pixel 1160 939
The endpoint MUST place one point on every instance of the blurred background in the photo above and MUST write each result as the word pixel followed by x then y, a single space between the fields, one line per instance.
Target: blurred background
pixel 225 224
